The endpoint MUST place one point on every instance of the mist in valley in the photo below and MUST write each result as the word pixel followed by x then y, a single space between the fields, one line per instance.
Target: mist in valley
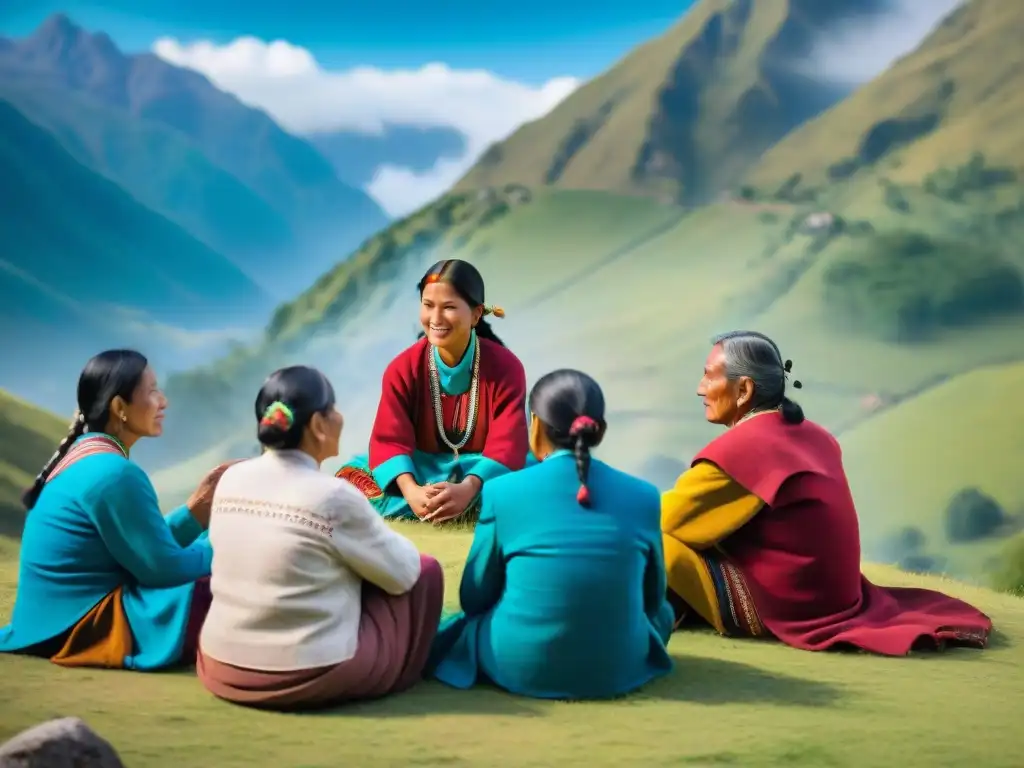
pixel 859 49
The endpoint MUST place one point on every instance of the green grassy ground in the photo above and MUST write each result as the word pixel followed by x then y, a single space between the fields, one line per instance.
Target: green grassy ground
pixel 735 703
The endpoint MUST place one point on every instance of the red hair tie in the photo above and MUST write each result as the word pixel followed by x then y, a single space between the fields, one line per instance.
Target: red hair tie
pixel 581 424
pixel 583 496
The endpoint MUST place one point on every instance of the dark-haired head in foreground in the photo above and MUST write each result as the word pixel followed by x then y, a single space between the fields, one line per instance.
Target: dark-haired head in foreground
pixel 118 395
pixel 452 305
pixel 295 410
pixel 745 374
pixel 567 410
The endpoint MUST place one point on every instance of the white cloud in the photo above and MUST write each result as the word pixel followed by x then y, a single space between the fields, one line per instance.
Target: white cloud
pixel 861 50
pixel 287 82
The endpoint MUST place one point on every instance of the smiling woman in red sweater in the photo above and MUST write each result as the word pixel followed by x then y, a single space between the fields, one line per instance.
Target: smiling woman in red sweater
pixel 452 411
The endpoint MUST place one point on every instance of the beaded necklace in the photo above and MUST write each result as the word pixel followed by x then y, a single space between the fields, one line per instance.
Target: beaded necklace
pixel 474 392
pixel 119 444
pixel 752 414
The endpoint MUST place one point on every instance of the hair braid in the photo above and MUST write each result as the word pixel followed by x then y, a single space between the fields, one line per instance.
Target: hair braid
pixel 485 331
pixel 582 452
pixel 75 431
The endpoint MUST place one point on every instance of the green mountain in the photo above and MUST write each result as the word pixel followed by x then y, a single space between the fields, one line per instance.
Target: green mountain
pixel 84 265
pixel 683 116
pixel 28 437
pixel 934 109
pixel 224 171
pixel 895 299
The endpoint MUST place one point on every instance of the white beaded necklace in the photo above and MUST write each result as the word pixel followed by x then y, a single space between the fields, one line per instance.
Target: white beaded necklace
pixel 474 392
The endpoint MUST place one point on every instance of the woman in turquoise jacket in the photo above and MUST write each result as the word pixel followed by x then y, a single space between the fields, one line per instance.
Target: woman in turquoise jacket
pixel 563 594
pixel 104 579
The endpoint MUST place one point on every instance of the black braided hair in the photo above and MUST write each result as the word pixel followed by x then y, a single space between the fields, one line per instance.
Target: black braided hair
pixel 585 434
pixel 108 375
pixel 570 407
pixel 485 331
pixel 75 431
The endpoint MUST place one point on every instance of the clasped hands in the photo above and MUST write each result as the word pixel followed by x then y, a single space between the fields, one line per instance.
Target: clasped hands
pixel 440 502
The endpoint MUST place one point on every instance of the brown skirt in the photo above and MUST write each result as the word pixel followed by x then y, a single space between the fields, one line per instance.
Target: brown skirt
pixel 201 599
pixel 395 634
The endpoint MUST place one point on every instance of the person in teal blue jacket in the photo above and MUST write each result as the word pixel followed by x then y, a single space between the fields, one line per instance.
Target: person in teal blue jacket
pixel 104 579
pixel 563 595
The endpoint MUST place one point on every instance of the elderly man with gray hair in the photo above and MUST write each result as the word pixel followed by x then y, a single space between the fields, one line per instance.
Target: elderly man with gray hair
pixel 761 535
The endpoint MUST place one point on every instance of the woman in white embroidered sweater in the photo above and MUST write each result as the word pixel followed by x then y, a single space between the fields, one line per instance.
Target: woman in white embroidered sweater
pixel 316 600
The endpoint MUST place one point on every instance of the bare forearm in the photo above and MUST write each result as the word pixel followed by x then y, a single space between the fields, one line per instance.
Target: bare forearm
pixel 406 483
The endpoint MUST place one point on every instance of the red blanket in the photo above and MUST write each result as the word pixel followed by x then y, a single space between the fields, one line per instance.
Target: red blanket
pixel 801 556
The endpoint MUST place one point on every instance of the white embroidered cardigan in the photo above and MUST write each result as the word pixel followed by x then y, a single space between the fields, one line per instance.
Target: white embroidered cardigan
pixel 291 547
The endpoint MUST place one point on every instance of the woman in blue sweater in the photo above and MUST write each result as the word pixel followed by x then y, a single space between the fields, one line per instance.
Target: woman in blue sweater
pixel 563 595
pixel 105 580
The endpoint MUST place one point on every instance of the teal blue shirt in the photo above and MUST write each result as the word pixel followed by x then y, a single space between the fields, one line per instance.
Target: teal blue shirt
pixel 97 526
pixel 561 601
pixel 455 379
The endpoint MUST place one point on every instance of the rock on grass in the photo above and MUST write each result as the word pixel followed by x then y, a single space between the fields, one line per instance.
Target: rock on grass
pixel 64 743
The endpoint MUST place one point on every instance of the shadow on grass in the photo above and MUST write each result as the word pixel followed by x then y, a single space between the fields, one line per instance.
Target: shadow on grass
pixel 798 754
pixel 954 651
pixel 432 698
pixel 701 680
pixel 696 680
pixel 998 640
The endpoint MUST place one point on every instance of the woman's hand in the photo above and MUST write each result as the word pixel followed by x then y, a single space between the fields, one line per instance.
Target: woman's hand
pixel 201 500
pixel 452 499
pixel 418 498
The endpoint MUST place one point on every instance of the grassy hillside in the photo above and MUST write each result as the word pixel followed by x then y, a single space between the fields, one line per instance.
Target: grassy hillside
pixel 958 93
pixel 28 437
pixel 965 434
pixel 686 114
pixel 757 703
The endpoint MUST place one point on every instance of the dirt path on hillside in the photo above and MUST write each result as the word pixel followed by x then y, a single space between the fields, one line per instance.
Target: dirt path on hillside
pixel 753 205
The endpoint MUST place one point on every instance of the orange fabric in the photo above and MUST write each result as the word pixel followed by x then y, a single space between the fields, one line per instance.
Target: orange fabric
pixel 101 639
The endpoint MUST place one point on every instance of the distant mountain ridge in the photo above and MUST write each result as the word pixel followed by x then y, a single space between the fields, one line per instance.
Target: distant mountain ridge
pixel 84 265
pixel 221 169
pixel 685 115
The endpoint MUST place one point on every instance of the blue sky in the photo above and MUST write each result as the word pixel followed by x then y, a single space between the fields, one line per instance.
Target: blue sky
pixel 527 40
